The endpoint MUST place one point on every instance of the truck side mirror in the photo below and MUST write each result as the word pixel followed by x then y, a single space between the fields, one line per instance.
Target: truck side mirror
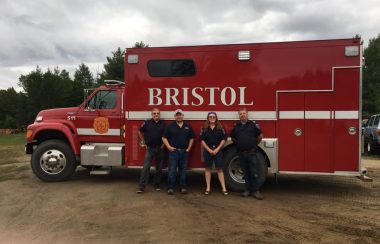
pixel 87 105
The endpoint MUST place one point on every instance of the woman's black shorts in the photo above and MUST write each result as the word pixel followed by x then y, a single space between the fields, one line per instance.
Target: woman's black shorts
pixel 210 159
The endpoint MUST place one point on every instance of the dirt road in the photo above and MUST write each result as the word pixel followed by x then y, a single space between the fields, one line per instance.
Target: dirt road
pixel 106 209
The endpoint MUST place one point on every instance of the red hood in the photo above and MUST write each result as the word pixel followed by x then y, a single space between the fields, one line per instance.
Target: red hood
pixel 57 113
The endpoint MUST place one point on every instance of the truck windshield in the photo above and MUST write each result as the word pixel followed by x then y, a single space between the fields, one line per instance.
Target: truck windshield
pixel 103 100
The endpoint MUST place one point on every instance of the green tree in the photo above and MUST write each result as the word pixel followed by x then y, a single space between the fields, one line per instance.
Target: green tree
pixel 114 68
pixel 140 44
pixel 84 76
pixel 82 79
pixel 51 89
pixel 12 109
pixel 8 101
pixel 371 78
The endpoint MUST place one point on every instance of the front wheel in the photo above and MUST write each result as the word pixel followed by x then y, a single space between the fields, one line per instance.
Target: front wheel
pixel 53 160
pixel 234 174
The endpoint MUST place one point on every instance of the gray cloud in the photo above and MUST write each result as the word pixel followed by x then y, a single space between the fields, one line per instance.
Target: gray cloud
pixel 67 33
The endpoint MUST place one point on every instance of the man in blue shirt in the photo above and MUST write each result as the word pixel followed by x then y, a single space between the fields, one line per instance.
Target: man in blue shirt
pixel 246 134
pixel 150 134
pixel 178 138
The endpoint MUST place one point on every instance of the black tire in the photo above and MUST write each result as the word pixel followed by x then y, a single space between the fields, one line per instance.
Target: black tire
pixel 375 147
pixel 367 147
pixel 372 146
pixel 53 160
pixel 234 175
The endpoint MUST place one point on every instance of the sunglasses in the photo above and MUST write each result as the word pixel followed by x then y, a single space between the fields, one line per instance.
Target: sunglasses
pixel 155 113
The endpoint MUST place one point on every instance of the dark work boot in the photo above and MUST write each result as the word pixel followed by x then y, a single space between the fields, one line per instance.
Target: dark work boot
pixel 246 193
pixel 258 195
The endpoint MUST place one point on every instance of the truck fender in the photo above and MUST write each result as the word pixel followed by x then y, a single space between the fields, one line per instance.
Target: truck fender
pixel 68 132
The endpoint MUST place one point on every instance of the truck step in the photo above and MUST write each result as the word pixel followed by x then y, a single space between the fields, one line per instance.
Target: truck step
pixel 365 178
pixel 101 171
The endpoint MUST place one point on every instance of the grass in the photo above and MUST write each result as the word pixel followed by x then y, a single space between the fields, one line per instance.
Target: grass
pixel 16 139
pixel 12 153
pixel 12 148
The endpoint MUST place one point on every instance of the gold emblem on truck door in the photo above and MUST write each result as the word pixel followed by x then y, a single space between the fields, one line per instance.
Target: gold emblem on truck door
pixel 101 125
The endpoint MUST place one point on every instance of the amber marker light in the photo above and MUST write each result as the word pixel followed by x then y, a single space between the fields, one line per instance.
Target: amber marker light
pixel 29 133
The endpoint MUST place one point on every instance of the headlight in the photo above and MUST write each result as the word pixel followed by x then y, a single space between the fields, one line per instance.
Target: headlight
pixel 39 118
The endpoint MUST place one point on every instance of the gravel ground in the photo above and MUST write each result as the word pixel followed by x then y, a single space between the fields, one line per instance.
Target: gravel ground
pixel 106 209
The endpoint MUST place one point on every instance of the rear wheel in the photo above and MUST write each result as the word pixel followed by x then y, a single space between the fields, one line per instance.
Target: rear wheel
pixel 234 174
pixel 53 160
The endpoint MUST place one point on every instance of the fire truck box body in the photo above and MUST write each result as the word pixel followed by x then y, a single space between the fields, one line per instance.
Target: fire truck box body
pixel 305 96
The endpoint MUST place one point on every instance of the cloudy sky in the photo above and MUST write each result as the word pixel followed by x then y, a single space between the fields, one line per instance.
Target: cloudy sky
pixel 68 32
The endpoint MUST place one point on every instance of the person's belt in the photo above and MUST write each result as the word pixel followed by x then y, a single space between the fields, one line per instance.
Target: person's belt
pixel 180 149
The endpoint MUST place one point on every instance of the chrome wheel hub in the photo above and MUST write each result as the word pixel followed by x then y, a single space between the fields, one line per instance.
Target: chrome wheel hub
pixel 53 162
pixel 234 170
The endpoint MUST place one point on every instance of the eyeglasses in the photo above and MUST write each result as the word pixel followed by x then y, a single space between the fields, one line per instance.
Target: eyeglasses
pixel 155 113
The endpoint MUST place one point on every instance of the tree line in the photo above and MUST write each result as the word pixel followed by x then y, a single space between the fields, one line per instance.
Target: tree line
pixel 55 88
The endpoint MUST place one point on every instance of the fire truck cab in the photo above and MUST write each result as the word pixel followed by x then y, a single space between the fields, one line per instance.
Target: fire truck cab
pixel 305 96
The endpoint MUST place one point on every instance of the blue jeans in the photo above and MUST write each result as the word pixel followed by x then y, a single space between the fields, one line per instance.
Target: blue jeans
pixel 177 158
pixel 249 165
pixel 151 152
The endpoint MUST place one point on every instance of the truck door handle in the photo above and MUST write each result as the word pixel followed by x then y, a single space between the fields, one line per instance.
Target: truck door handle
pixel 298 132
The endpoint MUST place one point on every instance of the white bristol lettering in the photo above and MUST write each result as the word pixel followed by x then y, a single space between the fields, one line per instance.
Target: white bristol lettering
pixel 242 97
pixel 212 94
pixel 185 96
pixel 171 97
pixel 232 96
pixel 197 96
pixel 153 96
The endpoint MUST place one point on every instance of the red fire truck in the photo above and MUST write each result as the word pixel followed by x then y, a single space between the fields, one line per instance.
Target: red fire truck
pixel 305 95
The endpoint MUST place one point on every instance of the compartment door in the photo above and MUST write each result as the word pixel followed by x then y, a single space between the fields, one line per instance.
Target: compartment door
pixel 318 132
pixel 291 131
pixel 346 123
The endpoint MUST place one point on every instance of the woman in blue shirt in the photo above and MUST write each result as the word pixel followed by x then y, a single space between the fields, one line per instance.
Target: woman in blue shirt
pixel 213 138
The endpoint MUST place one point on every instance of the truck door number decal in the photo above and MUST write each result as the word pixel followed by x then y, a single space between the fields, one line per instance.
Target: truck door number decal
pixel 71 117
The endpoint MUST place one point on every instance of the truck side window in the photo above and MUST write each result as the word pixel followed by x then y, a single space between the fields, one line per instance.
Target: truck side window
pixel 370 122
pixel 103 100
pixel 171 68
pixel 376 123
pixel 366 123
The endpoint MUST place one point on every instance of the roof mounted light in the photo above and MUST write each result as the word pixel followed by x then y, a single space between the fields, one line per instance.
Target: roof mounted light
pixel 244 55
pixel 133 59
pixel 113 82
pixel 351 51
